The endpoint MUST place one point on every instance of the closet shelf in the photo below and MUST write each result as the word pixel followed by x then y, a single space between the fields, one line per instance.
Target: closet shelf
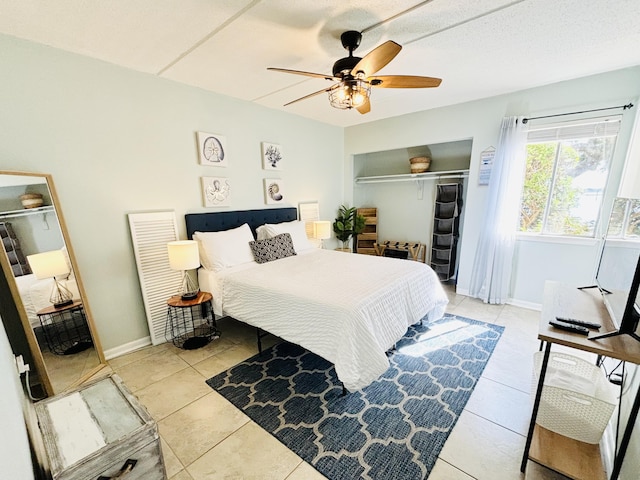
pixel 26 211
pixel 407 177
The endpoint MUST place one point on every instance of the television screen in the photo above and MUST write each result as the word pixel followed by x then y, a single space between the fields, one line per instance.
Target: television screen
pixel 615 275
pixel 618 275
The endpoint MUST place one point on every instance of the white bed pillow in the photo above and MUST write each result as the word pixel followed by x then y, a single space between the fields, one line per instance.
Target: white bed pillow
pixel 220 250
pixel 262 232
pixel 294 228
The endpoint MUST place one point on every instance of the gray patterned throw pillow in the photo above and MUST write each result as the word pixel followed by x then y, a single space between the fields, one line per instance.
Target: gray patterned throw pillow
pixel 274 248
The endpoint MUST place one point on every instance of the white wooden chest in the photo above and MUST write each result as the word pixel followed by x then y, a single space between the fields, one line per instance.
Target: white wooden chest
pixel 100 431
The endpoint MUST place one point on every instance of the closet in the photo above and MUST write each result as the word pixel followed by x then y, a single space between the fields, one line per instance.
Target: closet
pixel 413 207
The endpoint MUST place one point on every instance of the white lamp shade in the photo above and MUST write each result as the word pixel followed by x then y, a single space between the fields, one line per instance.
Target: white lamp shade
pixel 322 229
pixel 48 264
pixel 183 255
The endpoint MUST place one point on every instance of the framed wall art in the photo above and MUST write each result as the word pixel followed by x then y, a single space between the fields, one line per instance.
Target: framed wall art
pixel 273 191
pixel 271 156
pixel 212 149
pixel 216 192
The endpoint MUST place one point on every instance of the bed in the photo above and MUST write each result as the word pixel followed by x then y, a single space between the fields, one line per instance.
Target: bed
pixel 349 309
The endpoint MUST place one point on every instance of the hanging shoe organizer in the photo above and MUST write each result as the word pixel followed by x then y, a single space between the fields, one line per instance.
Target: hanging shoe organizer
pixel 448 206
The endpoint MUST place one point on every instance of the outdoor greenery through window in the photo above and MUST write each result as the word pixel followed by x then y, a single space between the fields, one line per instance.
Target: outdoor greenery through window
pixel 625 219
pixel 567 168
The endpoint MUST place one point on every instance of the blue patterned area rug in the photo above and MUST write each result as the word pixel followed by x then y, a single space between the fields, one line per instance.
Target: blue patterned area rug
pixel 393 429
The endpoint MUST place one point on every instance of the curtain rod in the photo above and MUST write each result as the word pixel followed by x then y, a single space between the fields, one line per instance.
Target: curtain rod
pixel 624 107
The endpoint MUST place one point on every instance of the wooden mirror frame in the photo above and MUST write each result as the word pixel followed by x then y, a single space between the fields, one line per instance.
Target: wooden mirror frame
pixel 34 346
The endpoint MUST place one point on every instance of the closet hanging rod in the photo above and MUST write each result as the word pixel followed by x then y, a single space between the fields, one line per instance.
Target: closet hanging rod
pixel 624 107
pixel 26 212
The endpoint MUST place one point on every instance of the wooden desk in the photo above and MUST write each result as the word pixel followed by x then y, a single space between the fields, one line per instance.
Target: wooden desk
pixel 555 451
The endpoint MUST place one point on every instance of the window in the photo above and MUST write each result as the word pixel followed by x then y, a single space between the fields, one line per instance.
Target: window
pixel 625 219
pixel 566 173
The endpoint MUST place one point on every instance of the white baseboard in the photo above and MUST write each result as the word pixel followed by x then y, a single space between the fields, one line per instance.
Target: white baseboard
pixel 127 348
pixel 522 304
pixel 512 301
pixel 462 291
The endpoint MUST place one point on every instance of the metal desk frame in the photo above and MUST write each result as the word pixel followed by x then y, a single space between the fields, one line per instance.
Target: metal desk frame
pixel 568 301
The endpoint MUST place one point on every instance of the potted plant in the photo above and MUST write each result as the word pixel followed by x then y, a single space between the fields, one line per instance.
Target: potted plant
pixel 347 224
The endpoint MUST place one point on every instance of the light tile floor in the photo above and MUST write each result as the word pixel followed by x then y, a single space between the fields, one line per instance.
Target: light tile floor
pixel 206 437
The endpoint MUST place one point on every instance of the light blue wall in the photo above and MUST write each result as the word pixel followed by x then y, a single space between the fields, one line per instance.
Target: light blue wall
pixel 480 120
pixel 118 141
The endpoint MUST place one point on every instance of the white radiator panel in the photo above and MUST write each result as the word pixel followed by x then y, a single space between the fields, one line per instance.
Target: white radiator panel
pixel 150 233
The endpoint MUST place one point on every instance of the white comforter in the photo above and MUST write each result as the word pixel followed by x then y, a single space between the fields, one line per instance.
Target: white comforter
pixel 349 309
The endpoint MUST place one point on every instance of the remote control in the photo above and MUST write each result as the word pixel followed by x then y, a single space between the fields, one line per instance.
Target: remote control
pixel 582 323
pixel 569 327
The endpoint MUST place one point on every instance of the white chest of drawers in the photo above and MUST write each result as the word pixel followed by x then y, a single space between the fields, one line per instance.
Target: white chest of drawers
pixel 100 431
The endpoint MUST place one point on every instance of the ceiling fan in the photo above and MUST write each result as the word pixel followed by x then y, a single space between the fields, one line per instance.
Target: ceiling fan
pixel 354 75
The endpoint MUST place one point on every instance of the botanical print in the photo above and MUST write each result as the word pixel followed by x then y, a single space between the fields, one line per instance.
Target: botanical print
pixel 271 156
pixel 212 149
pixel 216 192
pixel 273 191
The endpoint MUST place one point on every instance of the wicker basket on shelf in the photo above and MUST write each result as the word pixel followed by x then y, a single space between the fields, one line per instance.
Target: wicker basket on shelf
pixel 420 164
pixel 31 200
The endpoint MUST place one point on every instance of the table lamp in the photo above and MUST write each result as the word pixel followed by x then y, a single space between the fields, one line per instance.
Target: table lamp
pixel 184 256
pixel 322 230
pixel 50 265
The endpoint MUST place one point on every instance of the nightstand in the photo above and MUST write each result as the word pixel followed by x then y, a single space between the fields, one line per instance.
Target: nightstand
pixel 65 328
pixel 191 324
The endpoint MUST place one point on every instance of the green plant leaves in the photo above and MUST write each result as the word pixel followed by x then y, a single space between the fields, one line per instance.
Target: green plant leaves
pixel 348 223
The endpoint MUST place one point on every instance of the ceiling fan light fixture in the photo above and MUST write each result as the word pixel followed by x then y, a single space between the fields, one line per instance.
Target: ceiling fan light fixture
pixel 354 75
pixel 349 94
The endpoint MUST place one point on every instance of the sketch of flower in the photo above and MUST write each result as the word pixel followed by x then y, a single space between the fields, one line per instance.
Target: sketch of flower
pixel 271 156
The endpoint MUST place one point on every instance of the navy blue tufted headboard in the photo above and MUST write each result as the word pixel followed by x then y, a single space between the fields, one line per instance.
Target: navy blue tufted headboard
pixel 218 221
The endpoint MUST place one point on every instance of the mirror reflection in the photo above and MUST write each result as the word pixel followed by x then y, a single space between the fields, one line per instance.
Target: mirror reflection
pixel 36 247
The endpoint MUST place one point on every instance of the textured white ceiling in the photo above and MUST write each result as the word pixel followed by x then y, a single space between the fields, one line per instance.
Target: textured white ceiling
pixel 480 49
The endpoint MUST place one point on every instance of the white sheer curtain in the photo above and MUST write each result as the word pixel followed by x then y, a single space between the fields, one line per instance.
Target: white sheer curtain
pixel 491 274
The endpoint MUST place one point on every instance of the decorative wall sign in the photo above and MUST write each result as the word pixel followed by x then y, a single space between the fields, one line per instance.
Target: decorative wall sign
pixel 212 149
pixel 273 191
pixel 271 156
pixel 216 192
pixel 486 163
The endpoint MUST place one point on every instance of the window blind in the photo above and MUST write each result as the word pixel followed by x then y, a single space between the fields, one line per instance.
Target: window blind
pixel 585 128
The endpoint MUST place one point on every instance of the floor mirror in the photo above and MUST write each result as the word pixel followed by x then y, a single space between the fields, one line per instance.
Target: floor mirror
pixel 42 274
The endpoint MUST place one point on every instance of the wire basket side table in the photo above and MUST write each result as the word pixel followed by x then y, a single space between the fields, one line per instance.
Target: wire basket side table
pixel 191 324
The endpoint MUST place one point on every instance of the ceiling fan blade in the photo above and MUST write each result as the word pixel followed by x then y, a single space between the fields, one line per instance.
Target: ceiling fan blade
pixel 365 107
pixel 324 90
pixel 306 74
pixel 403 81
pixel 377 58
